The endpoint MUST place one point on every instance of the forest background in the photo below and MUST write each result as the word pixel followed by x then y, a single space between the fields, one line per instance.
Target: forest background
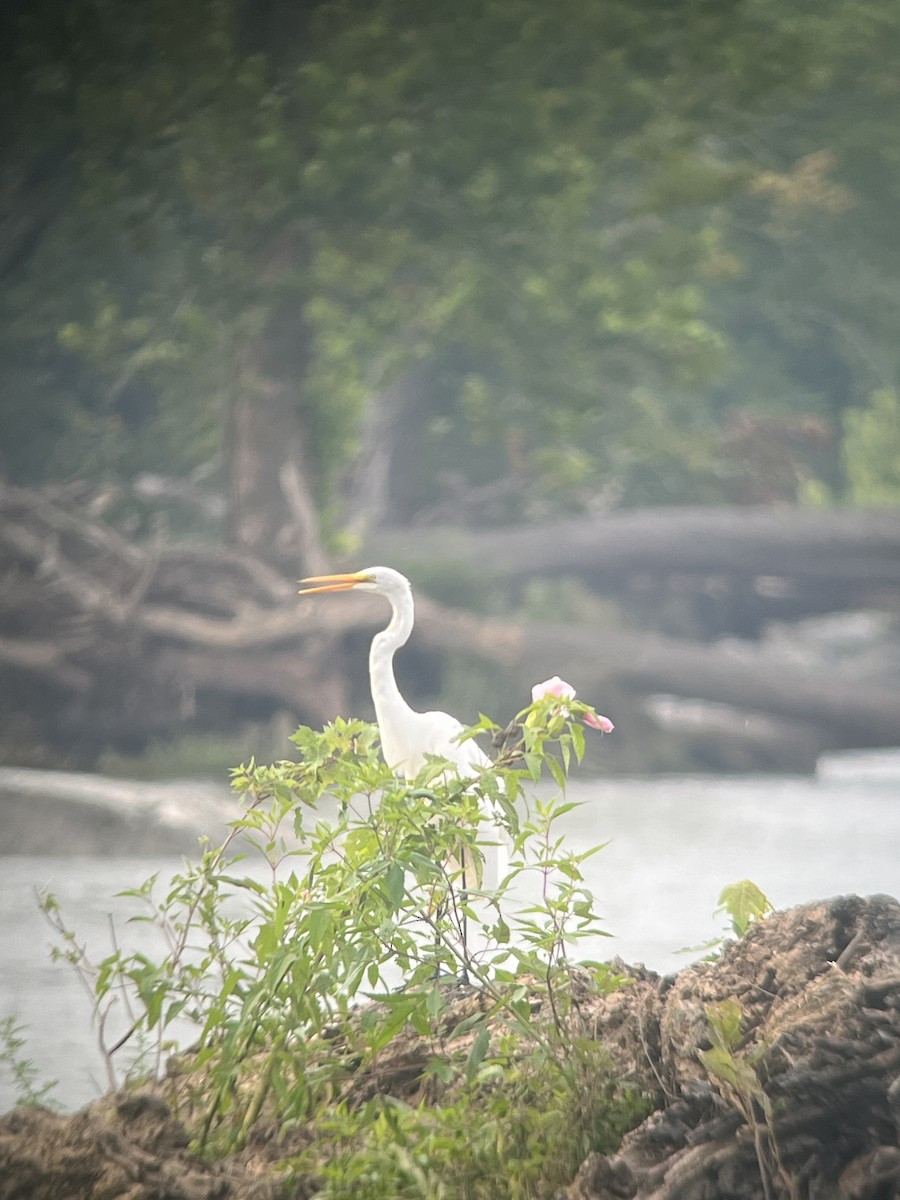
pixel 283 276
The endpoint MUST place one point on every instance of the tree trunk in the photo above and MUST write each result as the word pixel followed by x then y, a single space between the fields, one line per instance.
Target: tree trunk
pixel 271 510
pixel 369 503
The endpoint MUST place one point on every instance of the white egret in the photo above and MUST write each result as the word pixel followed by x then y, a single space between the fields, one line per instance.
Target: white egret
pixel 408 736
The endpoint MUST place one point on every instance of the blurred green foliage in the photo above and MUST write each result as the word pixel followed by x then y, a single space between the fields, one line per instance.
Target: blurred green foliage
pixel 595 231
pixel 872 449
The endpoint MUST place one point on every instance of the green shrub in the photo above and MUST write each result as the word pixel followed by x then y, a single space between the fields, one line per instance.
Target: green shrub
pixel 374 898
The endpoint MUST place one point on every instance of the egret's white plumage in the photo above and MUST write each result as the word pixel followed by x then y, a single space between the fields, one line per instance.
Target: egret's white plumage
pixel 408 736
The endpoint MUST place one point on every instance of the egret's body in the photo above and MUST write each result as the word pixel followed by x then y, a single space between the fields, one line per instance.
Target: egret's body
pixel 407 736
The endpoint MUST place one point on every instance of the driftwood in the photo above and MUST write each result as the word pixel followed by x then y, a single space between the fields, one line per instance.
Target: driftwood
pixel 811 1110
pixel 105 643
pixel 693 572
pixel 811 543
pixel 113 643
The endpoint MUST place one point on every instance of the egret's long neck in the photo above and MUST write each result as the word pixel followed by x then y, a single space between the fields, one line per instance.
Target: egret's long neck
pixel 390 707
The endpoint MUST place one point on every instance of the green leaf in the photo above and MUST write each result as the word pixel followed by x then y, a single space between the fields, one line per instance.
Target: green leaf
pixel 478 1051
pixel 434 1002
pixel 318 923
pixel 556 770
pixel 394 881
pixel 723 1066
pixel 533 764
pixel 725 1018
pixel 744 903
pixel 578 741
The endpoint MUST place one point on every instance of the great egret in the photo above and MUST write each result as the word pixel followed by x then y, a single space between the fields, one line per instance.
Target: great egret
pixel 408 736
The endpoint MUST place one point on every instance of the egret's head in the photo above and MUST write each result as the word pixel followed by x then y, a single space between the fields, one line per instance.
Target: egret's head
pixel 385 580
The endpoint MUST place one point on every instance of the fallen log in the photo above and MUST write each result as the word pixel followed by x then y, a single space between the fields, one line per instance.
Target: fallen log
pixel 691 572
pixel 816 544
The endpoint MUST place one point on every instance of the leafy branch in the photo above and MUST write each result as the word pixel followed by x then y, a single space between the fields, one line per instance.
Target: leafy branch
pixel 369 909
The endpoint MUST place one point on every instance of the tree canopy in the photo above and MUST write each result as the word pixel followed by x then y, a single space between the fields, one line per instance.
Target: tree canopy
pixel 356 256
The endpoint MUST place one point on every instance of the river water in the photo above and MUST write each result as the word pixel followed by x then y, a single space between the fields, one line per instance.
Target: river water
pixel 674 842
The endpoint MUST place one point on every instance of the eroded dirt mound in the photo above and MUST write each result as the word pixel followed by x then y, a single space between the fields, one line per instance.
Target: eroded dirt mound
pixel 123 1148
pixel 812 1106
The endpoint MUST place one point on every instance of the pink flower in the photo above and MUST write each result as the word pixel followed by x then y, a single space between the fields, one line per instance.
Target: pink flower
pixel 552 687
pixel 595 721
pixel 565 691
